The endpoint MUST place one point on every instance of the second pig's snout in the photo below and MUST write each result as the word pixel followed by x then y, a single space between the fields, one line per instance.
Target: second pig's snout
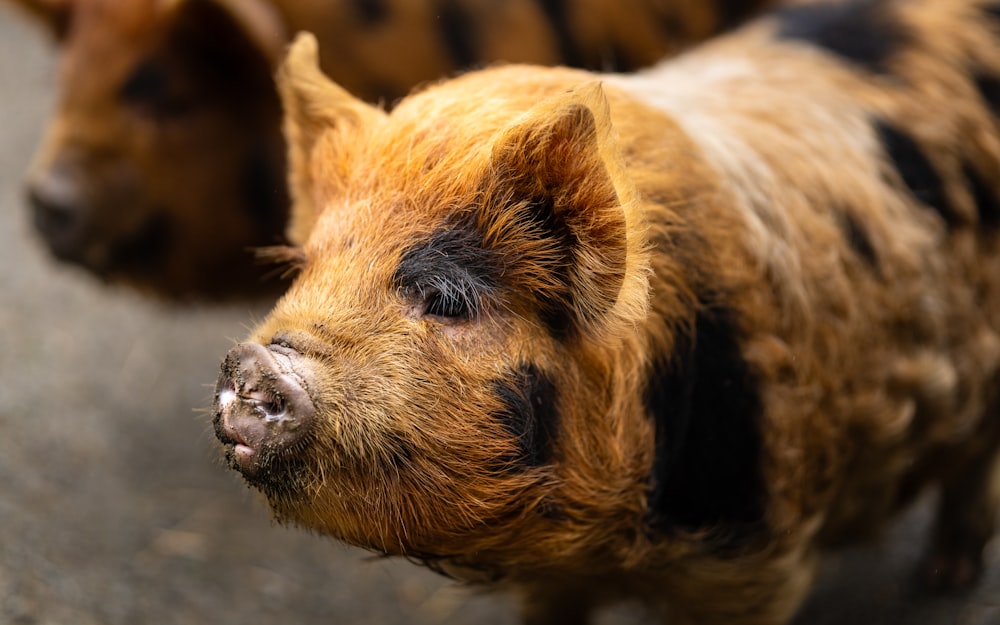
pixel 262 405
pixel 60 213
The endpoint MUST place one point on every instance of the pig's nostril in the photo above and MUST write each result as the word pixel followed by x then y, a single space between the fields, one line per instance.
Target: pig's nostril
pixel 272 408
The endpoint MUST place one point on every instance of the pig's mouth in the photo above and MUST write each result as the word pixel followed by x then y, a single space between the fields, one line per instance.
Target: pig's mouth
pixel 263 413
pixel 144 250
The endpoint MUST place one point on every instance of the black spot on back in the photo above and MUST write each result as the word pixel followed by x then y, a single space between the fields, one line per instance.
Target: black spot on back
pixel 859 240
pixel 989 89
pixel 558 15
pixel 704 401
pixel 458 30
pixel 984 194
pixel 371 12
pixel 860 31
pixel 529 415
pixel 916 169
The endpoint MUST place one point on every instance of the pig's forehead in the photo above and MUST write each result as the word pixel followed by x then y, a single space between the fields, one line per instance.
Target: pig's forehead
pixel 431 158
pixel 129 20
pixel 415 175
pixel 380 224
pixel 109 35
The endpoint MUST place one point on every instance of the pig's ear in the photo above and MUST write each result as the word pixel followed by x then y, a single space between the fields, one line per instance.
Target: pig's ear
pixel 315 109
pixel 258 20
pixel 54 15
pixel 558 176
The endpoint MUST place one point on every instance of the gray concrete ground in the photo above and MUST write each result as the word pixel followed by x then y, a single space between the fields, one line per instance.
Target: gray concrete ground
pixel 115 508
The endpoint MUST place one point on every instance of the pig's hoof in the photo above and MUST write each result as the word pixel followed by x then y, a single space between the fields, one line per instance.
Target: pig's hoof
pixel 262 408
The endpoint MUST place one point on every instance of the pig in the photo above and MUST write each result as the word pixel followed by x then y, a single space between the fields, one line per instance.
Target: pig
pixel 164 162
pixel 667 336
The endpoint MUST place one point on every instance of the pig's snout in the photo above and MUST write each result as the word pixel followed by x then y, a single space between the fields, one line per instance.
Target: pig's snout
pixel 262 405
pixel 59 213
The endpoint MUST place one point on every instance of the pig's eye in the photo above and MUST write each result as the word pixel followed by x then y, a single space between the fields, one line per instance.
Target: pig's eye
pixel 149 90
pixel 445 278
pixel 447 304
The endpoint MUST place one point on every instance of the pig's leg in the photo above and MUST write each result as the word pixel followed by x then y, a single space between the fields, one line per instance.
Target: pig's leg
pixel 967 515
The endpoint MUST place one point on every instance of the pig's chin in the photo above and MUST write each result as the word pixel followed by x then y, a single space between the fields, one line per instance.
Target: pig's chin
pixel 287 477
pixel 275 474
pixel 251 463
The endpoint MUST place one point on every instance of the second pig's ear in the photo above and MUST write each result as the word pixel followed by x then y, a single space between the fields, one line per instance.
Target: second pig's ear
pixel 54 15
pixel 315 107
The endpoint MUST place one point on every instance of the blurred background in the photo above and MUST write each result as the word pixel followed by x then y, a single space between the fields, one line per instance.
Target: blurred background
pixel 115 507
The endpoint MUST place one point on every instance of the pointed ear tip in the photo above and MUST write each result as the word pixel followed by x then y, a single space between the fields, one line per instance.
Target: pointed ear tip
pixel 301 59
pixel 593 88
pixel 303 49
pixel 593 94
pixel 588 98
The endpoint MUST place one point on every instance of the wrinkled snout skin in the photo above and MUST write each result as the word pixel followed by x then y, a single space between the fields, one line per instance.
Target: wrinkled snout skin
pixel 263 407
pixel 666 336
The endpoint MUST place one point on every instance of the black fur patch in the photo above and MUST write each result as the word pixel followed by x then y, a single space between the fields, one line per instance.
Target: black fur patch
pixel 459 260
pixel 371 12
pixel 557 13
pixel 860 31
pixel 529 415
pixel 704 401
pixel 857 237
pixel 454 268
pixel 987 203
pixel 458 30
pixel 989 89
pixel 916 169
